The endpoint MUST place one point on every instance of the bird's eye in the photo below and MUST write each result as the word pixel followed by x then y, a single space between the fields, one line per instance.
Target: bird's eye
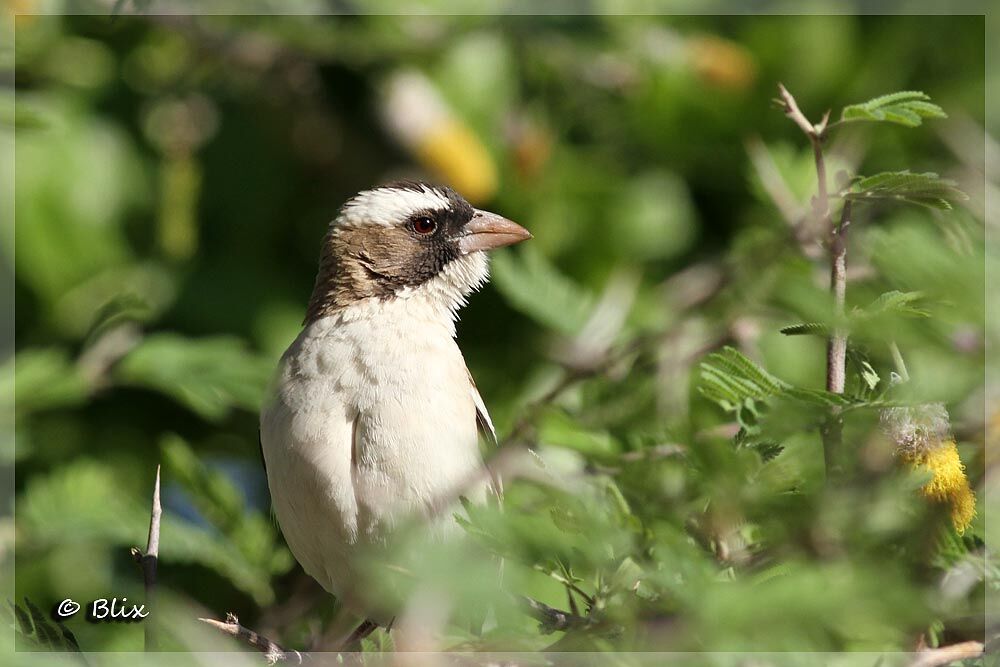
pixel 424 225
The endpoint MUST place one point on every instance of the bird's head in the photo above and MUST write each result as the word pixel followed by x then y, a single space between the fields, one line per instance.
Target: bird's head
pixel 407 239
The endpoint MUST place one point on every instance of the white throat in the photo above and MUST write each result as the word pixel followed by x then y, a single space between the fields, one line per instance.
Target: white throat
pixel 437 300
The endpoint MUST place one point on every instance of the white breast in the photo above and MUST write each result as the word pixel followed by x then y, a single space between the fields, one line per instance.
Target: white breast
pixel 371 418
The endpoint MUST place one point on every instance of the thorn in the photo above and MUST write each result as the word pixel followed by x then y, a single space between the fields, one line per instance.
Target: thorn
pixel 821 126
pixel 213 623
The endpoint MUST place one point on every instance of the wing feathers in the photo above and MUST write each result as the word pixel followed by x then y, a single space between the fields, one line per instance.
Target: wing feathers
pixel 489 432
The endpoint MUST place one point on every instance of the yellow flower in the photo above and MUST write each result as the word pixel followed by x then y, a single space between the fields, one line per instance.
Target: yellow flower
pixel 417 114
pixel 922 438
pixel 453 151
pixel 721 62
pixel 948 473
pixel 963 508
pixel 948 483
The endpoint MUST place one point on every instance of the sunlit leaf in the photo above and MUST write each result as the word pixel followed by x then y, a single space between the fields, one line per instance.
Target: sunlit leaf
pixel 926 189
pixel 739 385
pixel 808 329
pixel 560 429
pixel 209 375
pixel 535 287
pixel 907 108
pixel 43 378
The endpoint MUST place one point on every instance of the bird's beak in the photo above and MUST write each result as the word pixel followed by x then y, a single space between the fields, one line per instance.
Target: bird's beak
pixel 488 231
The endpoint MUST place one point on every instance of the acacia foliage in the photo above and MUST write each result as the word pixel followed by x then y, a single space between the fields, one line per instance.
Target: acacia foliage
pixel 171 193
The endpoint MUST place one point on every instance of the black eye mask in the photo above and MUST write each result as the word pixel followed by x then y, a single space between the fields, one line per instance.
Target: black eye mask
pixel 377 261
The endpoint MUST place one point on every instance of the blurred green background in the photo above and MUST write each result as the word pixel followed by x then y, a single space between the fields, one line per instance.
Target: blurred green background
pixel 174 177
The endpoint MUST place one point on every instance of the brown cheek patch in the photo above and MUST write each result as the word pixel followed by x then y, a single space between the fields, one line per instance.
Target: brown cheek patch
pixel 386 253
pixel 372 262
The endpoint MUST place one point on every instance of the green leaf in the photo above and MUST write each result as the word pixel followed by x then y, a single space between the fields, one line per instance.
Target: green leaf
pixel 807 329
pixel 35 627
pixel 896 302
pixel 907 108
pixel 43 379
pixel 873 318
pixel 752 377
pixel 213 494
pixel 926 189
pixel 120 309
pixel 630 578
pixel 767 449
pixel 868 374
pixel 815 397
pixel 950 548
pixel 656 218
pixel 560 429
pixel 738 385
pixel 76 183
pixel 209 375
pixel 536 288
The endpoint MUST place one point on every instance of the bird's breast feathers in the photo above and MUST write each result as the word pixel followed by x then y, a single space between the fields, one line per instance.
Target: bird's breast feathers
pixel 372 417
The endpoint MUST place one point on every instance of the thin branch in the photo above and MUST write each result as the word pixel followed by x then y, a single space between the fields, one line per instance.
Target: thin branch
pixel 816 134
pixel 571 586
pixel 836 356
pixel 821 204
pixel 791 109
pixel 935 657
pixel 655 453
pixel 836 350
pixel 272 651
pixel 573 607
pixel 95 361
pixel 836 347
pixel 353 640
pixel 662 451
pixel 552 619
pixel 148 562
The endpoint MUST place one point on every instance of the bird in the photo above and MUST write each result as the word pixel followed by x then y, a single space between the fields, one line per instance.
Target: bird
pixel 373 417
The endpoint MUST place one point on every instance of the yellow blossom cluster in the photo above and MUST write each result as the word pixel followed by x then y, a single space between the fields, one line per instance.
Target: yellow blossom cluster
pixel 420 118
pixel 922 438
pixel 948 483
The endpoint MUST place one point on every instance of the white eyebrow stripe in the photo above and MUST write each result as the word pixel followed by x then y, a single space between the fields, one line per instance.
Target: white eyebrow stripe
pixel 389 206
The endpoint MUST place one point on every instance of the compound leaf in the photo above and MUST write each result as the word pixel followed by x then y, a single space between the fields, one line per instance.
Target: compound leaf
pixel 907 108
pixel 926 189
